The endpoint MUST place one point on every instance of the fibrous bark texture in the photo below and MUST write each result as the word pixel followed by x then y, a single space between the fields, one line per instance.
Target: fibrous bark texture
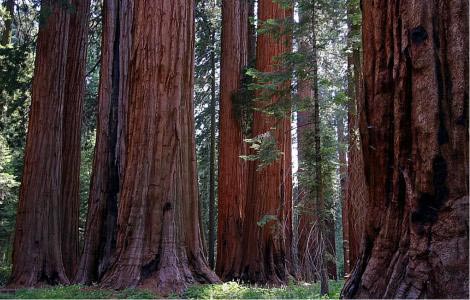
pixel 414 130
pixel 233 171
pixel 109 156
pixel 72 121
pixel 355 198
pixel 37 254
pixel 265 249
pixel 158 243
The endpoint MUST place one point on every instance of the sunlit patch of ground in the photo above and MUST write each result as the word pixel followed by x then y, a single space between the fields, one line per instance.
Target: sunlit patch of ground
pixel 228 290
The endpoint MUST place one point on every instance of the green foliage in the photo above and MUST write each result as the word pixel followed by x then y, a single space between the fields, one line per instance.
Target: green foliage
pixel 5 271
pixel 78 292
pixel 243 103
pixel 207 52
pixel 15 81
pixel 233 290
pixel 9 186
pixel 266 151
pixel 272 85
pixel 266 219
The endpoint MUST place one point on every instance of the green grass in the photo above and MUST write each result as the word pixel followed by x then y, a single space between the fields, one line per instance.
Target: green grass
pixel 233 290
pixel 229 290
pixel 77 292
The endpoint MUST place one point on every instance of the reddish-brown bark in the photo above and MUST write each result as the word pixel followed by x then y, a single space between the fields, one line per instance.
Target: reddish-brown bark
pixel 306 240
pixel 233 171
pixel 72 121
pixel 354 203
pixel 414 130
pixel 265 249
pixel 109 157
pixel 158 243
pixel 37 253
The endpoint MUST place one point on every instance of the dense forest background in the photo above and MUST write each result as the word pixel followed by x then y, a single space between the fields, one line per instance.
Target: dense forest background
pixel 17 70
pixel 313 161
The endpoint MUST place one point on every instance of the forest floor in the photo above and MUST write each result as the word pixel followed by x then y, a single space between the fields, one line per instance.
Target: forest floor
pixel 229 290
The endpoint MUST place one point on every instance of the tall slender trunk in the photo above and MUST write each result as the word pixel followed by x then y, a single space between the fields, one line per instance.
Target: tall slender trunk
pixel 319 196
pixel 265 249
pixel 414 130
pixel 212 158
pixel 37 254
pixel 343 173
pixel 6 34
pixel 233 171
pixel 72 121
pixel 306 222
pixel 109 157
pixel 159 245
pixel 354 203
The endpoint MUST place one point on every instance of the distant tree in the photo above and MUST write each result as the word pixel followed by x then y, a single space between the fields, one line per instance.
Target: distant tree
pixel 414 131
pixel 207 62
pixel 17 61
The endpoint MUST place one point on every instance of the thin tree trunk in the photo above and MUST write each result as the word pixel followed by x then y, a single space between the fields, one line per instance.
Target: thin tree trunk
pixel 159 245
pixel 233 171
pixel 109 157
pixel 37 254
pixel 265 249
pixel 72 121
pixel 343 168
pixel 319 196
pixel 212 159
pixel 251 32
pixel 414 130
pixel 306 223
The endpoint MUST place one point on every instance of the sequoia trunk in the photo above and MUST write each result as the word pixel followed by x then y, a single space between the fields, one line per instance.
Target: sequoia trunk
pixel 158 244
pixel 354 203
pixel 72 121
pixel 233 171
pixel 109 157
pixel 414 131
pixel 265 246
pixel 37 253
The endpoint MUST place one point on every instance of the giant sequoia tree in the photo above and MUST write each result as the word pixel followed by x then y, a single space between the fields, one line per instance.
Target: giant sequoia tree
pixel 233 171
pixel 269 208
pixel 47 220
pixel 414 131
pixel 74 94
pixel 158 242
pixel 109 157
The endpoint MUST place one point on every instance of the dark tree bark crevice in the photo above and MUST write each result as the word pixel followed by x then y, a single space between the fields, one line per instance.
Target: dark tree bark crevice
pixel 109 156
